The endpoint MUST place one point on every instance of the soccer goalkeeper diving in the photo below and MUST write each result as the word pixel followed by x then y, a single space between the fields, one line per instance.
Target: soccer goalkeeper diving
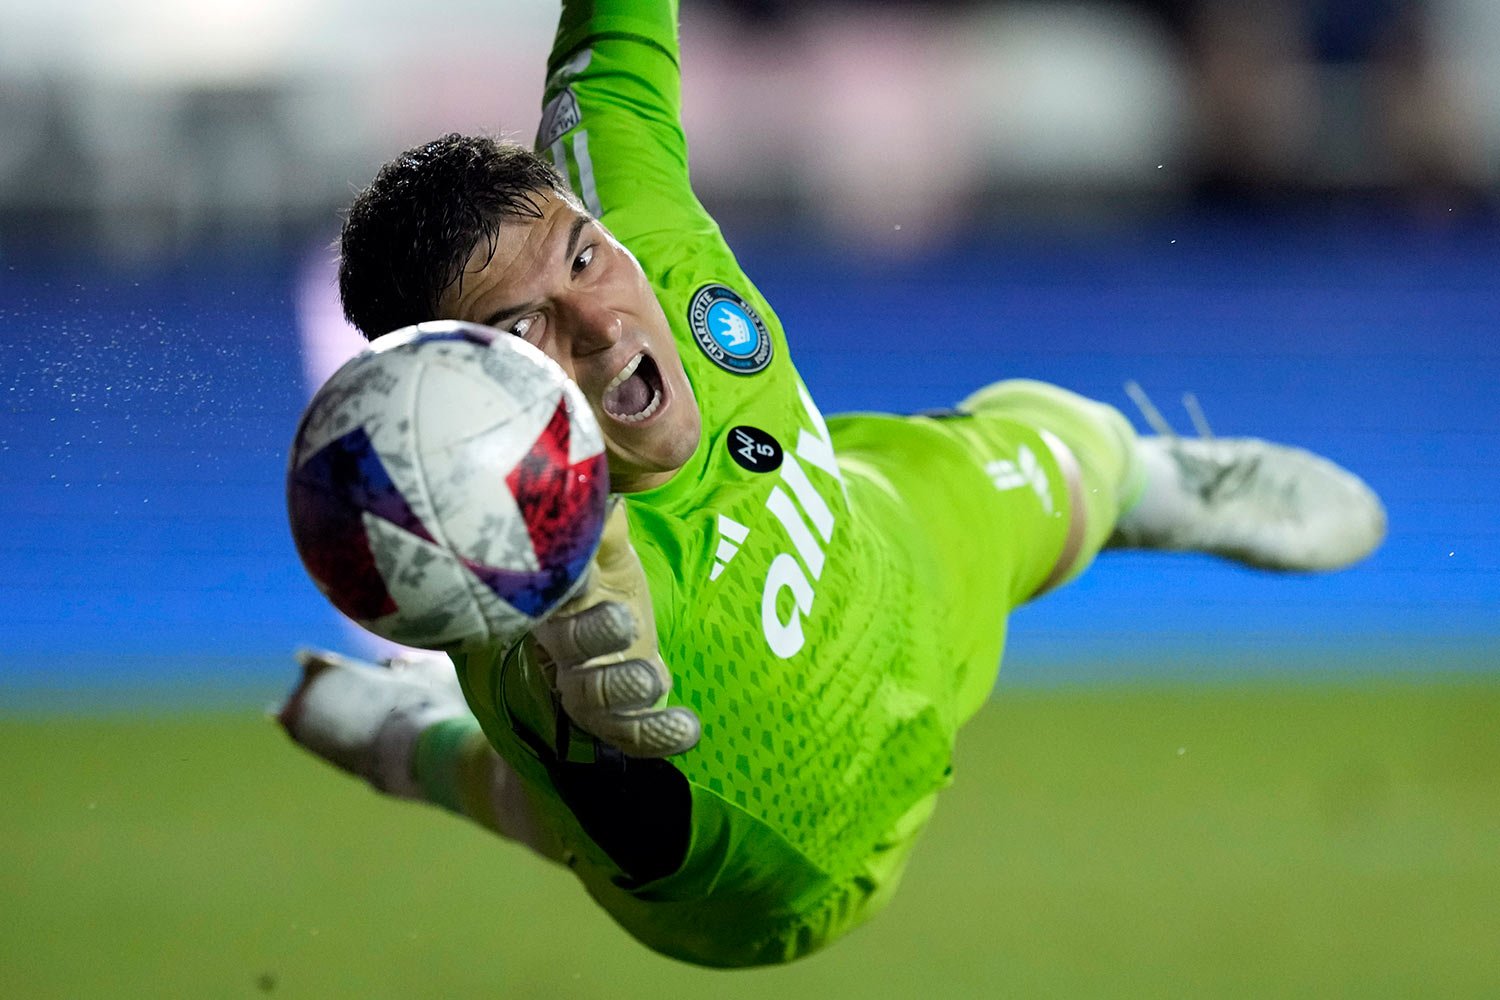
pixel 736 733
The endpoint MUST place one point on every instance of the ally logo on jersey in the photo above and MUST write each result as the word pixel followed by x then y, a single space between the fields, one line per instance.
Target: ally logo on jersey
pixel 803 512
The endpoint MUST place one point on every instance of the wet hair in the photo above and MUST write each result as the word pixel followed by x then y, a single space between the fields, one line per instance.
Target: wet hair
pixel 409 235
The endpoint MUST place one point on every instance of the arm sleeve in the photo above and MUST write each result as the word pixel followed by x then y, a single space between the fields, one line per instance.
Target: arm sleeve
pixel 612 121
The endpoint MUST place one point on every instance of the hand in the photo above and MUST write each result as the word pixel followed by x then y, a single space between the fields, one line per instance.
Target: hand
pixel 600 654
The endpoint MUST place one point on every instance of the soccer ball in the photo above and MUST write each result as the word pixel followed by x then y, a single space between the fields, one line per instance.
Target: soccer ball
pixel 448 486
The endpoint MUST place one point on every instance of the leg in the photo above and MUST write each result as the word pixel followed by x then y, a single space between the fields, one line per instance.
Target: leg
pixel 1262 504
pixel 1095 448
pixel 458 769
pixel 1008 497
pixel 406 730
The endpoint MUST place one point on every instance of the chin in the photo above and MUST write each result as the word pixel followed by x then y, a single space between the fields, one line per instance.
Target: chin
pixel 685 442
pixel 662 460
pixel 653 461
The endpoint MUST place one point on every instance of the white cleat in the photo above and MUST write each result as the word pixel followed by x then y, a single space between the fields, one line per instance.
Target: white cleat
pixel 433 669
pixel 366 719
pixel 1262 504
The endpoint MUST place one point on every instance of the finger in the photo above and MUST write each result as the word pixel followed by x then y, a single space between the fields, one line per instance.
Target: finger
pixel 614 540
pixel 607 627
pixel 586 689
pixel 657 733
pixel 617 567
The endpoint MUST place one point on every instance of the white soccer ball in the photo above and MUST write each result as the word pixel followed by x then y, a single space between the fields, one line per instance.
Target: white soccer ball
pixel 447 487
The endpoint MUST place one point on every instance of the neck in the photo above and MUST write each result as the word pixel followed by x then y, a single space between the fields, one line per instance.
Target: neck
pixel 640 482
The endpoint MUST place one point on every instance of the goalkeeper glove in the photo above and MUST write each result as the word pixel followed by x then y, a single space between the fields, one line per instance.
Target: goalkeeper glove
pixel 599 653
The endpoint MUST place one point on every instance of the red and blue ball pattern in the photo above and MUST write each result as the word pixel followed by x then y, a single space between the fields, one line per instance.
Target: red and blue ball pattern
pixel 469 533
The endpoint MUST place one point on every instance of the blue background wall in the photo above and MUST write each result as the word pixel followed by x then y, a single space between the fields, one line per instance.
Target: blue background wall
pixel 145 418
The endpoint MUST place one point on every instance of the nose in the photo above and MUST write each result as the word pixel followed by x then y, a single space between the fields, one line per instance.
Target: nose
pixel 596 326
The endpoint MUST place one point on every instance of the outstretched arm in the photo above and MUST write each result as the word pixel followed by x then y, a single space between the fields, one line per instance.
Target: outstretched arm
pixel 612 121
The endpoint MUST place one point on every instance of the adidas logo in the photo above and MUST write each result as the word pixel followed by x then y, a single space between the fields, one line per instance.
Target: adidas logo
pixel 732 535
pixel 1024 471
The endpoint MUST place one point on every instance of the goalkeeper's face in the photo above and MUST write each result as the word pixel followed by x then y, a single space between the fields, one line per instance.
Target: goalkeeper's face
pixel 567 286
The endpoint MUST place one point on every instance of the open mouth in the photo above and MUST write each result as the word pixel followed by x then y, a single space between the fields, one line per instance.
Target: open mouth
pixel 635 394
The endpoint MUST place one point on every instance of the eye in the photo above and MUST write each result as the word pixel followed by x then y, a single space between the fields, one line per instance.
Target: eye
pixel 584 259
pixel 523 326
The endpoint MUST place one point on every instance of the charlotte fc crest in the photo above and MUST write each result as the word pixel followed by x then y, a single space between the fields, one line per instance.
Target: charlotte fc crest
pixel 729 330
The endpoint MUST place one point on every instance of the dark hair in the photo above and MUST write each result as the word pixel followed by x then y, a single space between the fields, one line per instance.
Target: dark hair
pixel 410 233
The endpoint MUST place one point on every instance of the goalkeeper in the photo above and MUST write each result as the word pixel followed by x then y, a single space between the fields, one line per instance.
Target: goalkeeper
pixel 735 735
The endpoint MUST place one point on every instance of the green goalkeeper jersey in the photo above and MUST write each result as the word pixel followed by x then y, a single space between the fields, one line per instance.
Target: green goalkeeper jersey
pixel 818 595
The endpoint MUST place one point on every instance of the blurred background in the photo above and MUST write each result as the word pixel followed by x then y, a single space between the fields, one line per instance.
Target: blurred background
pixel 1287 208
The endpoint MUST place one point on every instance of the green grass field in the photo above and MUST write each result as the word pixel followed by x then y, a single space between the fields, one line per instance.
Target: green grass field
pixel 1167 842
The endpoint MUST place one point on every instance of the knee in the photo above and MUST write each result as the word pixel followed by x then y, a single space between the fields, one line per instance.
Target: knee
pixel 1097 433
pixel 1019 395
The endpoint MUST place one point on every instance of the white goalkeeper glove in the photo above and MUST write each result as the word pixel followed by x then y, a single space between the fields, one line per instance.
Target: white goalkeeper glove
pixel 599 653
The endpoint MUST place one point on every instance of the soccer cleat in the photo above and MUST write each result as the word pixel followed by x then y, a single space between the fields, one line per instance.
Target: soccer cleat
pixel 1262 504
pixel 366 719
